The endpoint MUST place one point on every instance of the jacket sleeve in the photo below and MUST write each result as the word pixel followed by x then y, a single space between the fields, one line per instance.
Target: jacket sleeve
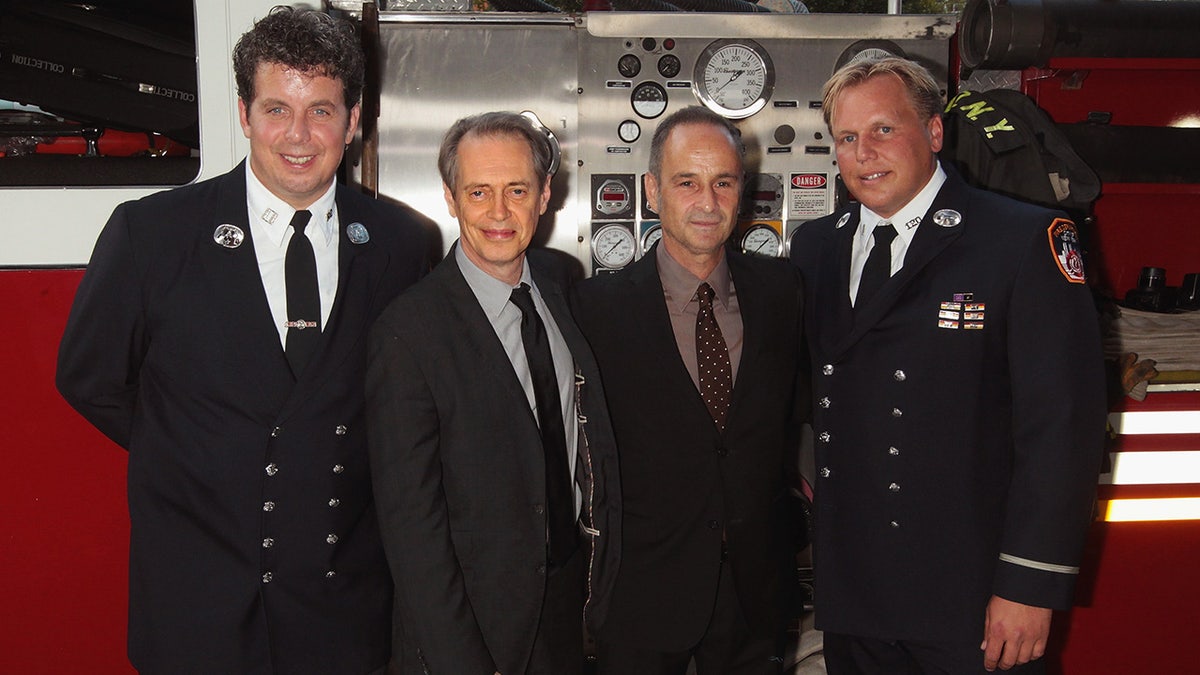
pixel 105 340
pixel 1058 409
pixel 403 439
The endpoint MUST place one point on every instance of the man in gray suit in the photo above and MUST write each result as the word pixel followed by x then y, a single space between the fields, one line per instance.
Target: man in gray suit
pixel 484 404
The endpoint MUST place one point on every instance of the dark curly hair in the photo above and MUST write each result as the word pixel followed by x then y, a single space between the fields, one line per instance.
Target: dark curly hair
pixel 305 40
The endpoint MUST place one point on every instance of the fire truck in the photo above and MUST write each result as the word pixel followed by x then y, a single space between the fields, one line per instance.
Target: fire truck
pixel 111 100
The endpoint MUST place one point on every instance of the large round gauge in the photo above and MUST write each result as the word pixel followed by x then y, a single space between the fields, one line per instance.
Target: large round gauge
pixel 762 240
pixel 650 237
pixel 734 78
pixel 649 100
pixel 613 246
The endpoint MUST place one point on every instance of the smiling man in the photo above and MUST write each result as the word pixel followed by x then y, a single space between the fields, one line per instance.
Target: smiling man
pixel 219 336
pixel 960 398
pixel 699 349
pixel 492 455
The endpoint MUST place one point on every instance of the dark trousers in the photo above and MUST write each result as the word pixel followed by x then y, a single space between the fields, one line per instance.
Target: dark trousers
pixel 853 655
pixel 558 646
pixel 727 648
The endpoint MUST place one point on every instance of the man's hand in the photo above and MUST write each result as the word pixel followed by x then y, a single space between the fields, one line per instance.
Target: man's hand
pixel 1013 634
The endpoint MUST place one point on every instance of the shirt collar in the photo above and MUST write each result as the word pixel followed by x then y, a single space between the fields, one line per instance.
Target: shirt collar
pixel 680 284
pixel 493 294
pixel 273 215
pixel 910 215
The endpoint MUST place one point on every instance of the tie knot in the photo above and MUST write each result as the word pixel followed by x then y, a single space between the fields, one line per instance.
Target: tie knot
pixel 705 294
pixel 522 297
pixel 300 221
pixel 884 233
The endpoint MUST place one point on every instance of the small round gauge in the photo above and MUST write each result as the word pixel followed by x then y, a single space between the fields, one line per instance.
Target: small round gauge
pixel 669 66
pixel 629 131
pixel 762 240
pixel 650 237
pixel 629 65
pixel 613 246
pixel 649 100
pixel 734 78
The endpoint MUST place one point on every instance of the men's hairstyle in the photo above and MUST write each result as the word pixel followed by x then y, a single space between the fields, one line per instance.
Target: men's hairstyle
pixel 304 40
pixel 693 114
pixel 494 125
pixel 922 89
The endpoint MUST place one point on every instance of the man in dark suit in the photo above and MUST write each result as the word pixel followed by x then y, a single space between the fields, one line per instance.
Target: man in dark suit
pixel 699 349
pixel 959 396
pixel 484 402
pixel 254 541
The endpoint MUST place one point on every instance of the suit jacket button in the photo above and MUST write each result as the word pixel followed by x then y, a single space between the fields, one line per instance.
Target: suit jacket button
pixel 340 430
pixel 338 468
pixel 267 577
pixel 896 412
pixel 272 469
pixel 899 376
pixel 539 509
pixel 824 402
pixel 825 437
pixel 268 506
pixel 276 431
pixel 825 472
pixel 894 487
pixel 331 539
pixel 334 503
pixel 827 369
pixel 895 525
pixel 541 569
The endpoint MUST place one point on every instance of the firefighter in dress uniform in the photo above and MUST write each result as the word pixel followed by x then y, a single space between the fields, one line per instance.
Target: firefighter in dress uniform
pixel 959 398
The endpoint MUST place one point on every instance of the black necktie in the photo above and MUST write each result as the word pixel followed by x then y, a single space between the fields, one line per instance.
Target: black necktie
pixel 712 359
pixel 878 268
pixel 303 296
pixel 562 533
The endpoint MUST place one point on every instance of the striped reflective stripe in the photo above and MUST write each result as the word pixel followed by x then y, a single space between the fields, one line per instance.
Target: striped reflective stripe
pixel 1034 564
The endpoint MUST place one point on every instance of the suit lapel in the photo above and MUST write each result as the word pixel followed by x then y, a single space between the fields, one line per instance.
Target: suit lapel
pixel 834 273
pixel 236 288
pixel 648 311
pixel 929 242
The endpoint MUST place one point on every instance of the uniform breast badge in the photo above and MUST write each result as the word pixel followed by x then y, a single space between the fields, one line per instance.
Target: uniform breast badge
pixel 961 311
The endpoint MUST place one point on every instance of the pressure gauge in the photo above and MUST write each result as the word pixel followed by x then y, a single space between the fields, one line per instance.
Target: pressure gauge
pixel 734 78
pixel 650 237
pixel 762 240
pixel 629 131
pixel 649 100
pixel 613 246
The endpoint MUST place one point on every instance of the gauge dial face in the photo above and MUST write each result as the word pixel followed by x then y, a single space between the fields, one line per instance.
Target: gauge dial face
pixel 613 246
pixel 649 100
pixel 629 65
pixel 669 66
pixel 734 78
pixel 650 237
pixel 762 240
pixel 629 131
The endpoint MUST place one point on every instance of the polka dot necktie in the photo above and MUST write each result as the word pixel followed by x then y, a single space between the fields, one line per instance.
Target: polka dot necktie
pixel 712 359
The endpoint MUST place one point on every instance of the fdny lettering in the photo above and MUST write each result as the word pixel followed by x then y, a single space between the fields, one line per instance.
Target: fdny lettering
pixel 1002 125
pixel 1064 246
pixel 971 110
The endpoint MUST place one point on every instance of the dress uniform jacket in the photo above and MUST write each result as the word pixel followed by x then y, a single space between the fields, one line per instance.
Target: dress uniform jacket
pixel 254 541
pixel 959 419
pixel 460 474
pixel 684 483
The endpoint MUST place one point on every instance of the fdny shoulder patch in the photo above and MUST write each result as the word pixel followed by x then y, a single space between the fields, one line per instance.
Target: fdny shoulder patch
pixel 1064 245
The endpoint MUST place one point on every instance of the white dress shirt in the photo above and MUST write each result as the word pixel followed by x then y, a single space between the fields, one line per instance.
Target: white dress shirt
pixel 905 221
pixel 270 229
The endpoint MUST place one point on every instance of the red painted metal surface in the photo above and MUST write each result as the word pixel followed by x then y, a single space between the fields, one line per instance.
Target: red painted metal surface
pixel 64 535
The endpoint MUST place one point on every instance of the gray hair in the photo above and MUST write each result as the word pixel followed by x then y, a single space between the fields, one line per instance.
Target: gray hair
pixel 494 125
